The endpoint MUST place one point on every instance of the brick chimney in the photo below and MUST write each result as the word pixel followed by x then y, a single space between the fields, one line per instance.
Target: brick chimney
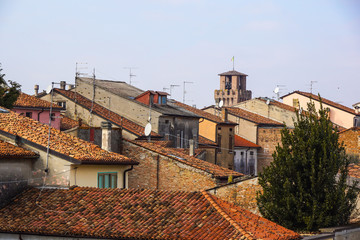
pixel 224 114
pixel 62 85
pixel 36 88
pixel 106 136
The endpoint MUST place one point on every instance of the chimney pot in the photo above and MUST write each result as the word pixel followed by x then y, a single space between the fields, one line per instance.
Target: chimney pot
pixel 106 136
pixel 36 88
pixel 62 85
pixel 191 147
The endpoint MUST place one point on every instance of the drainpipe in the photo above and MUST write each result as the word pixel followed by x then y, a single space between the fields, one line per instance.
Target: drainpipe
pixel 246 160
pixel 124 176
pixel 42 110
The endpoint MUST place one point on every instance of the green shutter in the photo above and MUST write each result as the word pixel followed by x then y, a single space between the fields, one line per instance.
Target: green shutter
pixel 100 181
pixel 107 181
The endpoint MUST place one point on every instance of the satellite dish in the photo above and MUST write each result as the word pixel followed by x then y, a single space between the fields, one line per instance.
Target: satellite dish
pixel 147 129
pixel 276 90
pixel 48 89
pixel 268 102
pixel 221 103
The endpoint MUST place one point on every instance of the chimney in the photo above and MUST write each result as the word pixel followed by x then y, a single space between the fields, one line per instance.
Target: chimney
pixel 224 114
pixel 70 86
pixel 36 88
pixel 191 147
pixel 106 136
pixel 62 85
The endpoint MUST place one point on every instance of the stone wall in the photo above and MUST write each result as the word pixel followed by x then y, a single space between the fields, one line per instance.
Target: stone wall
pixel 157 171
pixel 351 139
pixel 268 139
pixel 242 193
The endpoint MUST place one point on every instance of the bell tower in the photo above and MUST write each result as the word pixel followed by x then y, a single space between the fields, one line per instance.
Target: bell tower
pixel 232 88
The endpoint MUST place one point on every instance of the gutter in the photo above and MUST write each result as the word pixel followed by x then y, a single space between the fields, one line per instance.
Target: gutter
pixel 124 176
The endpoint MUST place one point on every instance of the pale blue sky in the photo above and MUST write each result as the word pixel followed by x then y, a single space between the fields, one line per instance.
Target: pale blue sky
pixel 275 42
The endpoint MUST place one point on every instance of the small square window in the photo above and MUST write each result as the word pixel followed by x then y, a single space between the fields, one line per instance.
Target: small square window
pixel 28 114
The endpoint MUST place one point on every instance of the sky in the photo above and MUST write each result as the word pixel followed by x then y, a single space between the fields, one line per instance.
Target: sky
pixel 167 42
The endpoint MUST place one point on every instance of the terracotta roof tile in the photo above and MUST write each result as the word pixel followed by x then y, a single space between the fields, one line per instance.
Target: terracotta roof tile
pixel 68 123
pixel 8 150
pixel 324 100
pixel 278 104
pixel 63 143
pixel 253 117
pixel 26 101
pixel 232 73
pixel 200 112
pixel 211 168
pixel 105 113
pixel 206 141
pixel 242 142
pixel 354 170
pixel 133 213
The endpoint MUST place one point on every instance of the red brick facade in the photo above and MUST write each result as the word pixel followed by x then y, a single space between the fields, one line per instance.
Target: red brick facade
pixel 157 171
pixel 268 139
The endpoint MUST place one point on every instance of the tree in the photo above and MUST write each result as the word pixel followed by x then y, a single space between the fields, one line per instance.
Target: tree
pixel 9 92
pixel 305 188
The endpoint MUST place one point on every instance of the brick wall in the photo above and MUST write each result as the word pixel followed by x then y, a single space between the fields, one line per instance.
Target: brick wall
pixel 268 139
pixel 241 193
pixel 156 171
pixel 351 139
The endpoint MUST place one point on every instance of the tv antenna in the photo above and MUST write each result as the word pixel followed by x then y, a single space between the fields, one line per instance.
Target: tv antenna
pixel 184 92
pixel 130 73
pixel 277 90
pixel 171 88
pixel 311 85
pixel 165 88
pixel 77 68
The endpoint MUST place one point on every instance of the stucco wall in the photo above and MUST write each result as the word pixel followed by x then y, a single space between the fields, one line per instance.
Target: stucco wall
pixel 207 129
pixel 245 128
pixel 42 116
pixel 225 157
pixel 337 116
pixel 87 175
pixel 156 171
pixel 270 111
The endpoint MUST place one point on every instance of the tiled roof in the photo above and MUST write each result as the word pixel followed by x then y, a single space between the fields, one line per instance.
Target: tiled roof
pixel 232 73
pixel 68 123
pixel 199 112
pixel 354 170
pixel 253 117
pixel 206 141
pixel 135 214
pixel 8 150
pixel 70 146
pixel 324 100
pixel 26 101
pixel 105 113
pixel 167 144
pixel 242 142
pixel 278 104
pixel 211 168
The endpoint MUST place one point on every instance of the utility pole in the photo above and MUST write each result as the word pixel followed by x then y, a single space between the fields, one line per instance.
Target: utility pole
pixel 184 92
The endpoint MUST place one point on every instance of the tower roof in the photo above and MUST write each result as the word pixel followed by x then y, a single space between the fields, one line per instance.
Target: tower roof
pixel 232 73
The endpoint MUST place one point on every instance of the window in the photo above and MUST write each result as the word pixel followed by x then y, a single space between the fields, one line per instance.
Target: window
pixel 61 104
pixel 53 117
pixel 107 180
pixel 295 102
pixel 28 114
pixel 163 100
pixel 219 142
pixel 230 143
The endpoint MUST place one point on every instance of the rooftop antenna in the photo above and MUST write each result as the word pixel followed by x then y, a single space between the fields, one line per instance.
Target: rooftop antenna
pixel 277 90
pixel 77 75
pixel 184 92
pixel 311 85
pixel 171 88
pixel 165 88
pixel 233 60
pixel 130 73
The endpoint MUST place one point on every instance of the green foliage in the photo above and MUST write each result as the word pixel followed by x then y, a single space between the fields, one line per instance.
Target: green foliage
pixel 9 92
pixel 305 187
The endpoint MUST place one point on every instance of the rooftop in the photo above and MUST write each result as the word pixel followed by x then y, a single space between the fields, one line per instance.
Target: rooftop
pixel 242 142
pixel 103 112
pixel 70 147
pixel 215 170
pixel 324 100
pixel 253 117
pixel 205 141
pixel 232 73
pixel 133 213
pixel 8 150
pixel 26 101
pixel 68 123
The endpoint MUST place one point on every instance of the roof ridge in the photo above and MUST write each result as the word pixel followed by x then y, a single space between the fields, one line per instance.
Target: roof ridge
pixel 245 109
pixel 226 216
